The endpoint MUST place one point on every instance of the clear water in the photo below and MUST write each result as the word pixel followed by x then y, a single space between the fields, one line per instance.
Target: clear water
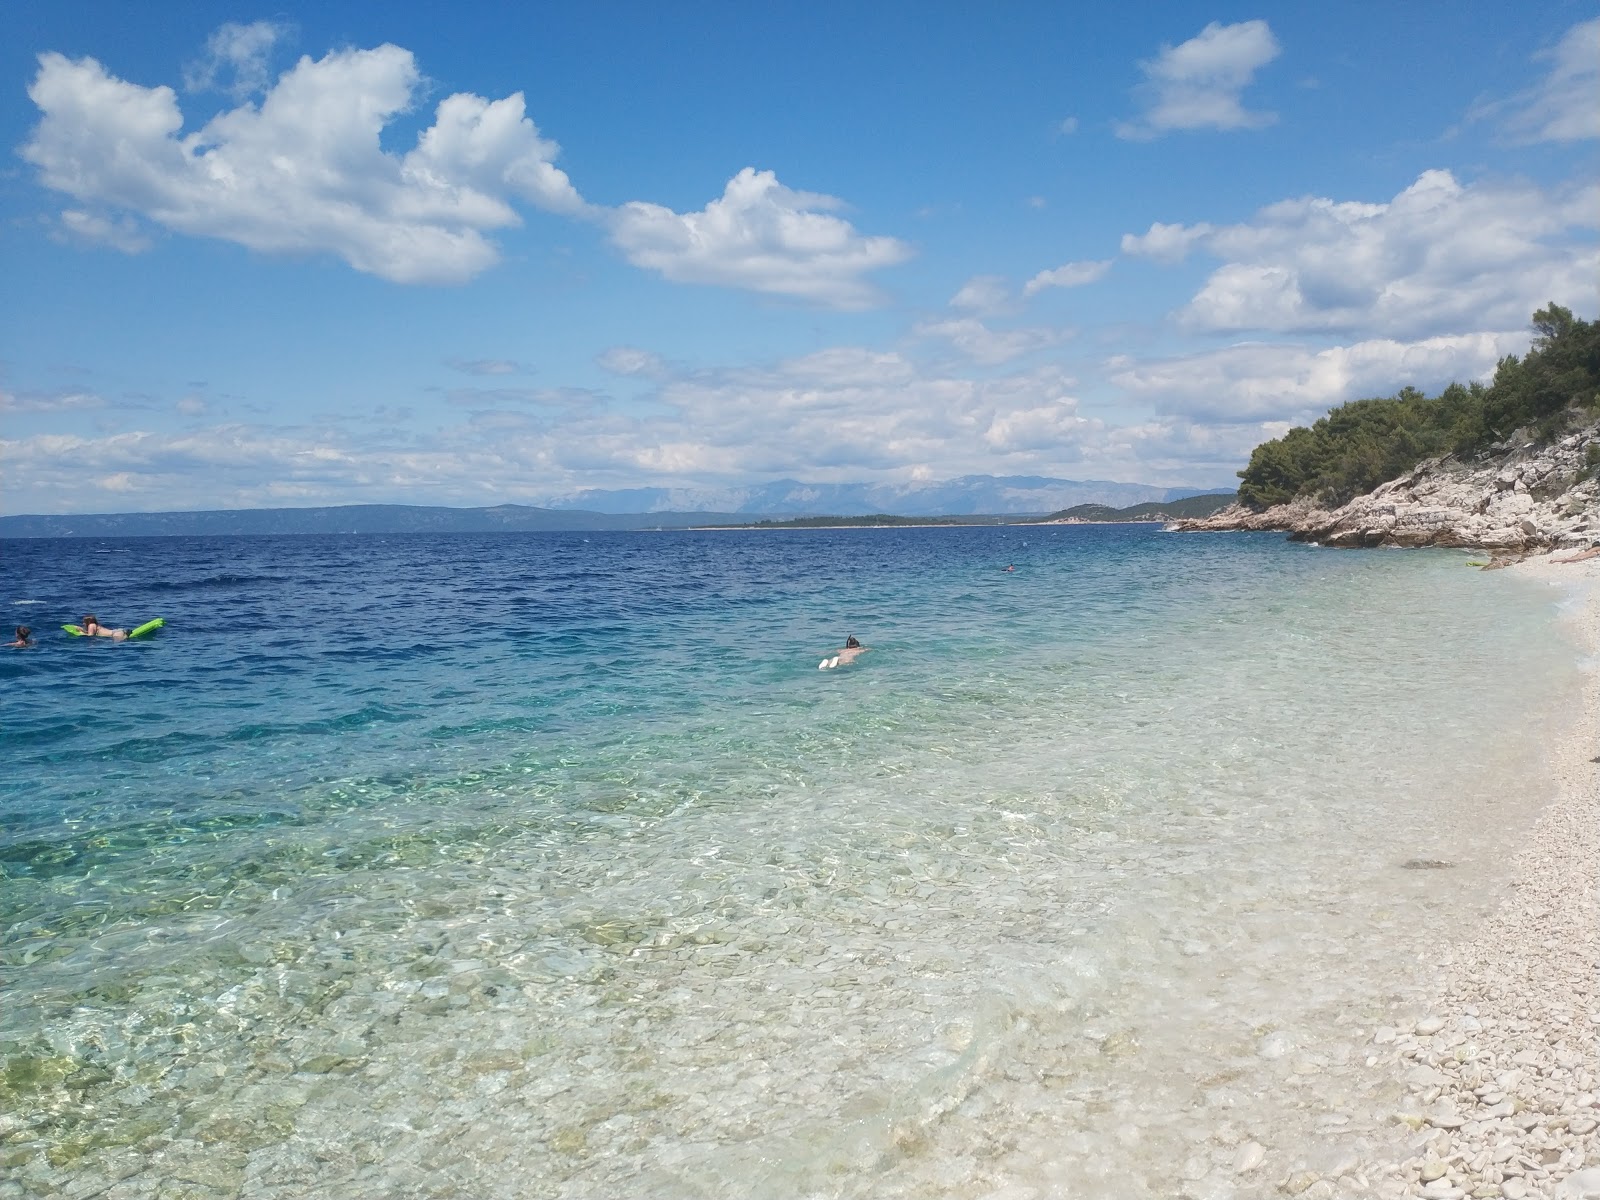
pixel 551 866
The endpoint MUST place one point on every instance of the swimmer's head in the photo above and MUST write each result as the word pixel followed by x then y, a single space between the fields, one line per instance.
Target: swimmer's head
pixel 850 642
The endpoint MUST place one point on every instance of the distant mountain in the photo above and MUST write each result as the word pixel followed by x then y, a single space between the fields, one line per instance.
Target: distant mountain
pixel 350 518
pixel 638 508
pixel 968 495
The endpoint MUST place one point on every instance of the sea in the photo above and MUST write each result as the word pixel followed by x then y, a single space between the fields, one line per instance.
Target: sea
pixel 552 865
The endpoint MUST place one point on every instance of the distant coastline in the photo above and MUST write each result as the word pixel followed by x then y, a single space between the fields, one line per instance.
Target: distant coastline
pixel 391 519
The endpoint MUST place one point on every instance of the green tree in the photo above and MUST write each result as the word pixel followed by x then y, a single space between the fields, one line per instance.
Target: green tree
pixel 1364 443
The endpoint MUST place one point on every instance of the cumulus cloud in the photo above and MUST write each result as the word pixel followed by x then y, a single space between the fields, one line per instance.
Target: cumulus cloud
pixel 760 236
pixel 1563 106
pixel 982 294
pixel 1072 274
pixel 989 346
pixel 631 361
pixel 1264 382
pixel 841 414
pixel 1164 243
pixel 120 233
pixel 1441 256
pixel 1200 83
pixel 236 59
pixel 304 171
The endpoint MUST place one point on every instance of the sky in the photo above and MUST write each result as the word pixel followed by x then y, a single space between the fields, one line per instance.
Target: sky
pixel 481 253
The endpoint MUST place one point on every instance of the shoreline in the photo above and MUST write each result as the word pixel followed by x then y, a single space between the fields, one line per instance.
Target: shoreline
pixel 1502 1076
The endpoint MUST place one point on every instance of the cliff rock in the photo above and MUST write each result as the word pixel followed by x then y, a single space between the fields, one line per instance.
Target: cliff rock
pixel 1526 498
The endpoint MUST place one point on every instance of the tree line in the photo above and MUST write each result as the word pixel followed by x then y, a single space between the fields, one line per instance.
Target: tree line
pixel 1364 443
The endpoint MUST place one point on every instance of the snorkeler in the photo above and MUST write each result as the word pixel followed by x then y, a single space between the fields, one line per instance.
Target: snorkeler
pixel 852 650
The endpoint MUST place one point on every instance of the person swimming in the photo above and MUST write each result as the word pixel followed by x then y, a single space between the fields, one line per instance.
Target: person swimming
pixel 93 628
pixel 852 650
pixel 24 638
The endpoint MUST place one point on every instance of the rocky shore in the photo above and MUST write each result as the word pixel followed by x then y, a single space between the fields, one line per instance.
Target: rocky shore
pixel 1503 1077
pixel 1524 499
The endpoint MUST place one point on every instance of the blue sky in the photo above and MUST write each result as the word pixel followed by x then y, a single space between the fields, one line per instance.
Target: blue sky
pixel 346 253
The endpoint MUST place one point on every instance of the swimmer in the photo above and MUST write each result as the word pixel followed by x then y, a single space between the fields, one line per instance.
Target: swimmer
pixel 852 650
pixel 93 628
pixel 24 638
pixel 1011 568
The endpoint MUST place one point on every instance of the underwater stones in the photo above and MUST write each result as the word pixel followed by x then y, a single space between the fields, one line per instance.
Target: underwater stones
pixel 1581 1185
pixel 1248 1157
pixel 1275 1045
pixel 323 1064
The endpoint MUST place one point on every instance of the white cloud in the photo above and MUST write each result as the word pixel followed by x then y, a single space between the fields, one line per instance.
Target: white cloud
pixel 1258 381
pixel 988 346
pixel 239 51
pixel 842 414
pixel 485 366
pixel 1067 126
pixel 304 172
pixel 1439 257
pixel 984 294
pixel 120 233
pixel 1565 105
pixel 488 398
pixel 1199 84
pixel 49 402
pixel 760 236
pixel 629 361
pixel 1164 243
pixel 1072 274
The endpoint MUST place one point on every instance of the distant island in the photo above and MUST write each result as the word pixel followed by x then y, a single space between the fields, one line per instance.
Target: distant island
pixel 521 518
pixel 873 521
pixel 1081 514
pixel 1189 508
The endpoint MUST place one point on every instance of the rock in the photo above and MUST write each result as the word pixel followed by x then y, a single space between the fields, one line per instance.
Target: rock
pixel 1248 1157
pixel 1513 1189
pixel 1583 1185
pixel 1275 1045
pixel 1429 1025
pixel 1525 498
pixel 1300 1181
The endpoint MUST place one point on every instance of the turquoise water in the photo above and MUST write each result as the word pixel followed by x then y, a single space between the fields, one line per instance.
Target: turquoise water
pixel 551 866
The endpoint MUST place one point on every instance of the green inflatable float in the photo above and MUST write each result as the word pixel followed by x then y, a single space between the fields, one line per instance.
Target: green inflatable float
pixel 147 628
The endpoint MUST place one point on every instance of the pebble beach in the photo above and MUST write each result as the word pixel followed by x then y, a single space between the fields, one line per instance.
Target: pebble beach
pixel 1502 1077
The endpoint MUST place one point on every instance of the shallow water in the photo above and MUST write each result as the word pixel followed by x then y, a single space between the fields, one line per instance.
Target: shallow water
pixel 551 866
